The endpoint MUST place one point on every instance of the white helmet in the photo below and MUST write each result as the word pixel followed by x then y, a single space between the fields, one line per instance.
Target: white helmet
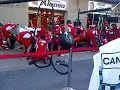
pixel 27 35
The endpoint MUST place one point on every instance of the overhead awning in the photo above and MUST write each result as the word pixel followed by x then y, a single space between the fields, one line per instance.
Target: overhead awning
pixel 110 1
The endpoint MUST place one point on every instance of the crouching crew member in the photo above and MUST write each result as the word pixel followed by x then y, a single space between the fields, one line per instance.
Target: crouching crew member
pixel 40 30
pixel 112 33
pixel 80 34
pixel 25 39
pixel 7 35
pixel 40 46
pixel 90 36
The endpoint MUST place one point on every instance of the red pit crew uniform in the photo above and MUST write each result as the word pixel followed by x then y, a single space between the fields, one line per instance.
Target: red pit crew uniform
pixel 58 29
pixel 106 24
pixel 72 30
pixel 1 42
pixel 5 32
pixel 80 34
pixel 41 46
pixel 25 41
pixel 48 37
pixel 90 36
pixel 112 34
pixel 109 34
pixel 41 31
pixel 118 35
pixel 57 32
pixel 104 41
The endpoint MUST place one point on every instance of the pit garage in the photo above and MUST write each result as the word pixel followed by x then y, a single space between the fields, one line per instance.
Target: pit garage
pixel 81 43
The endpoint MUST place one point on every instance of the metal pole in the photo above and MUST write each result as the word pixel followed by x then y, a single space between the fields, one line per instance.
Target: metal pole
pixel 93 19
pixel 115 6
pixel 38 15
pixel 69 72
pixel 69 68
pixel 52 44
pixel 78 18
pixel 99 23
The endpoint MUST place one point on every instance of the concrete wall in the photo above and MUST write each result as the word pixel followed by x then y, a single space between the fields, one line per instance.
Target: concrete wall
pixel 73 7
pixel 14 14
pixel 19 13
pixel 71 14
pixel 83 5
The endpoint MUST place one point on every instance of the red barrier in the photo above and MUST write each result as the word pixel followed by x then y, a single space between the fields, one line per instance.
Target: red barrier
pixel 45 53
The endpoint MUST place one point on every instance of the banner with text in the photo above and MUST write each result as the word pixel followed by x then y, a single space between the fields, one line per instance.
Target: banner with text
pixel 106 71
pixel 57 4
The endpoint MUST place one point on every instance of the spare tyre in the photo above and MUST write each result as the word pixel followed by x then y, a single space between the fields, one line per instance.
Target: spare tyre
pixel 66 40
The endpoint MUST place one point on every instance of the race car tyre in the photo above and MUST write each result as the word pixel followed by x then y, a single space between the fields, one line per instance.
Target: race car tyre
pixel 60 65
pixel 66 40
pixel 42 63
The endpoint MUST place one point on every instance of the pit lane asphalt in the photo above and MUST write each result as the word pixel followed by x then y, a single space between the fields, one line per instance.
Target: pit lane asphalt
pixel 16 74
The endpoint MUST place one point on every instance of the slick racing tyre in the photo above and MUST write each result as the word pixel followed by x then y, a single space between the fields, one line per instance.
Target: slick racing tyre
pixel 43 62
pixel 60 64
pixel 66 40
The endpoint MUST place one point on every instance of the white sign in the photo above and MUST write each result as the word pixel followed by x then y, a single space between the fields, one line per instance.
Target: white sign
pixel 92 5
pixel 106 71
pixel 110 60
pixel 57 4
